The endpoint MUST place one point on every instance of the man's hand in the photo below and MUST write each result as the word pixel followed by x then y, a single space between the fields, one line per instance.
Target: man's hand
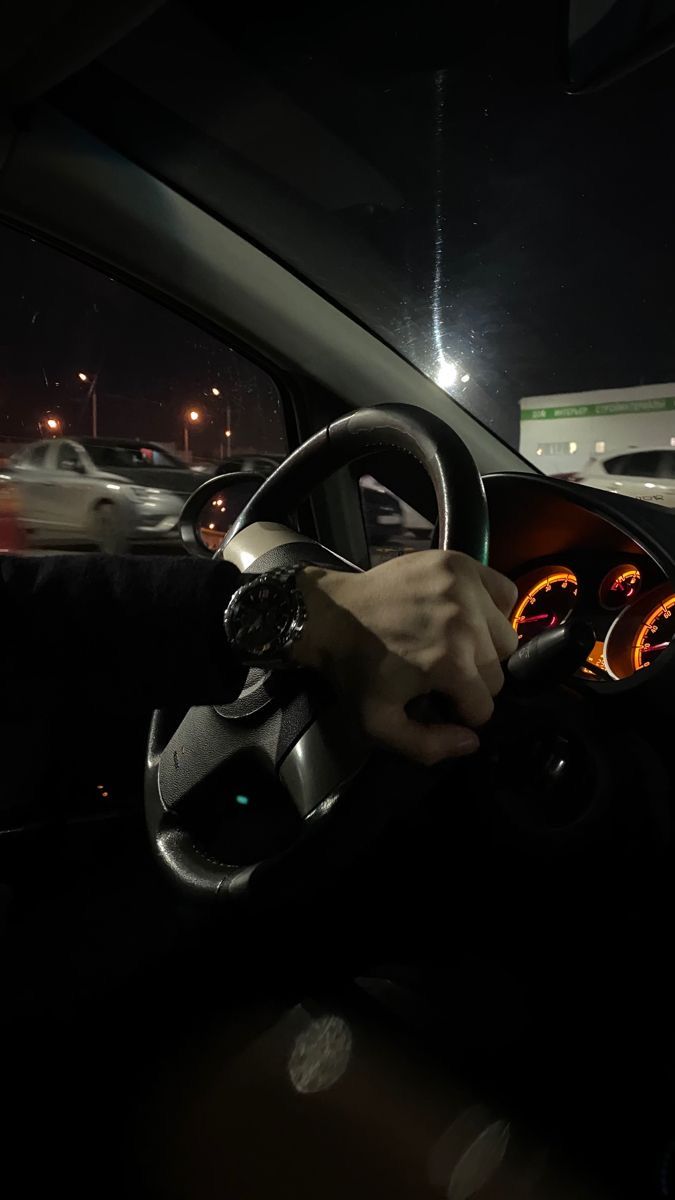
pixel 431 621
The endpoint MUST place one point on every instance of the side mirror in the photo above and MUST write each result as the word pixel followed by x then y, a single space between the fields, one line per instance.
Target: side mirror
pixel 210 512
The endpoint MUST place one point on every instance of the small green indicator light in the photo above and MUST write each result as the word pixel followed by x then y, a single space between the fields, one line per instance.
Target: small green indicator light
pixel 243 800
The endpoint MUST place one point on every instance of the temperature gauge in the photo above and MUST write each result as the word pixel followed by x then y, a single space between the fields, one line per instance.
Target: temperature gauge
pixel 620 586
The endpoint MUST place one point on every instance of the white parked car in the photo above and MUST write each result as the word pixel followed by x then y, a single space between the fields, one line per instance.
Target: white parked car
pixel 109 493
pixel 647 474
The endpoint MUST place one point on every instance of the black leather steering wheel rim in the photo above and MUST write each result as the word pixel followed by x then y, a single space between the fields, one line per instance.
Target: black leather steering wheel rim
pixel 461 525
pixel 290 721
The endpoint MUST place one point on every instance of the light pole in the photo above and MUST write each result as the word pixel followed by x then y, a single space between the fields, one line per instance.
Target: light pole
pixel 228 431
pixel 192 417
pixel 93 397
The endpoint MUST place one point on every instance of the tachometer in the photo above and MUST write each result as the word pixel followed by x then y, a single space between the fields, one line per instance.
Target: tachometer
pixel 654 634
pixel 546 597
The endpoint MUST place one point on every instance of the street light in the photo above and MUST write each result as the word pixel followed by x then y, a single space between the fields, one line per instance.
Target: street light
pixel 227 434
pixel 192 417
pixel 91 395
pixel 215 391
pixel 50 425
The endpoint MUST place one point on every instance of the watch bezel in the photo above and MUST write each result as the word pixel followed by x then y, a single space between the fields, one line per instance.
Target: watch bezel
pixel 275 653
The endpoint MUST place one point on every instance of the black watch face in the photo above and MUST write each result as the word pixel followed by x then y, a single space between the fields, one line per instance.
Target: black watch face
pixel 263 618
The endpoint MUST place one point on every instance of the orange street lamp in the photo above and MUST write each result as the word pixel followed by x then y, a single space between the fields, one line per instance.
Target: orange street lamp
pixel 50 426
pixel 192 417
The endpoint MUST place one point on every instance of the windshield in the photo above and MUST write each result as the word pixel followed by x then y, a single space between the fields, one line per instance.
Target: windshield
pixel 512 241
pixel 113 457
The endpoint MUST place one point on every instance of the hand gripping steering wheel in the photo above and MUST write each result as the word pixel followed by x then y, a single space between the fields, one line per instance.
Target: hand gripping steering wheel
pixel 260 798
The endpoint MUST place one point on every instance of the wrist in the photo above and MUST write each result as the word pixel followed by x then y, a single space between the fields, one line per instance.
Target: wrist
pixel 325 631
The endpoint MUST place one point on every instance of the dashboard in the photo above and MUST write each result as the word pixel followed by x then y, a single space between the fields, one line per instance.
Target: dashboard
pixel 572 560
pixel 628 603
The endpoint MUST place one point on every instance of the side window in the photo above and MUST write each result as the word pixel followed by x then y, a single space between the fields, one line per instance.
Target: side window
pixel 149 395
pixel 36 456
pixel 666 464
pixel 615 466
pixel 644 463
pixel 68 459
pixel 392 526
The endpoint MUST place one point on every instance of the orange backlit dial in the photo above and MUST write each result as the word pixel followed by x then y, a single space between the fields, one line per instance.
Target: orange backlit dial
pixel 654 634
pixel 547 598
pixel 620 586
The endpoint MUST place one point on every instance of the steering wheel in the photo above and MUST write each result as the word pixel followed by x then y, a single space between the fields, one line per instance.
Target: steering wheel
pixel 261 798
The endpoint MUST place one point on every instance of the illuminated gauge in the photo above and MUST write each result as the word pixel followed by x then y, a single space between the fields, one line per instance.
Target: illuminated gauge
pixel 641 632
pixel 595 663
pixel 620 586
pixel 546 599
pixel 654 634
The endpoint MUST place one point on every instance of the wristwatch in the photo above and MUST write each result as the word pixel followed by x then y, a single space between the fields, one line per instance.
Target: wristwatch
pixel 264 617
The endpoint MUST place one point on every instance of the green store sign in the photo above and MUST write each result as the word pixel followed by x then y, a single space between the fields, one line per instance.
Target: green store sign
pixel 608 409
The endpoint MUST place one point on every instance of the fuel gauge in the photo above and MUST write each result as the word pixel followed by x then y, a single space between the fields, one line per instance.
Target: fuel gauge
pixel 620 586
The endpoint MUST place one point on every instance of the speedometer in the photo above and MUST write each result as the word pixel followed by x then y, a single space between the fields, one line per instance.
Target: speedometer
pixel 654 634
pixel 546 597
pixel 641 633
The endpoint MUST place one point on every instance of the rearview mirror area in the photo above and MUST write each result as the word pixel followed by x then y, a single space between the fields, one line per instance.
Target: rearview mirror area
pixel 212 510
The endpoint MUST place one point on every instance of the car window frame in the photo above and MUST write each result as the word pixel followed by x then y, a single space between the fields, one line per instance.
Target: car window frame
pixel 64 444
pixel 29 457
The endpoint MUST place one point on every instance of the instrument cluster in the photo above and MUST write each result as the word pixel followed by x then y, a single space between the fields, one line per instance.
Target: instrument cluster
pixel 628 603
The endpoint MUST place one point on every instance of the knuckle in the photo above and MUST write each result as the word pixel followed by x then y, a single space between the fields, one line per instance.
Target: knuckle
pixel 461 647
pixel 450 619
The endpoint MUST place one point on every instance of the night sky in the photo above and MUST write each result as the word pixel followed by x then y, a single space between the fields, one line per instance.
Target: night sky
pixel 429 172
pixel 532 231
pixel 59 317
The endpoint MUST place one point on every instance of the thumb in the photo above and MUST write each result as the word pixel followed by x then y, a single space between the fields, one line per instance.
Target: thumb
pixel 427 744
